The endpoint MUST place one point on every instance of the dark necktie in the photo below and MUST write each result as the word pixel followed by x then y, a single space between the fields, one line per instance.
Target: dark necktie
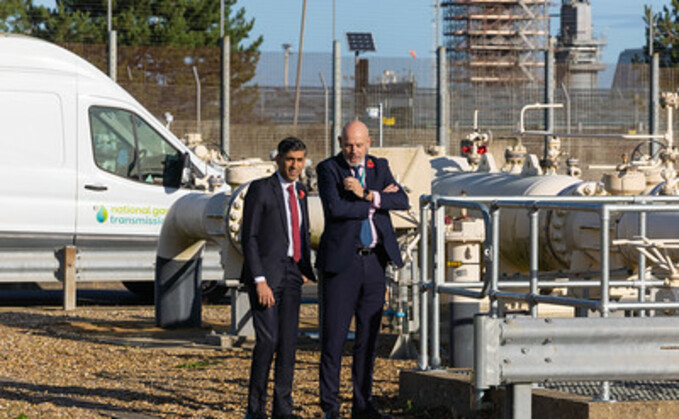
pixel 294 218
pixel 366 229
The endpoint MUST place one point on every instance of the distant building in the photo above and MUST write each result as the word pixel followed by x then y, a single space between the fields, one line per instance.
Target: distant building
pixel 629 73
pixel 577 52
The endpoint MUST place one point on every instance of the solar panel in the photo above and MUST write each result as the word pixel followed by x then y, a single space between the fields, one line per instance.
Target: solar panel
pixel 360 41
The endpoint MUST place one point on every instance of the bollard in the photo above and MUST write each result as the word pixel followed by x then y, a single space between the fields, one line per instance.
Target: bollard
pixel 66 258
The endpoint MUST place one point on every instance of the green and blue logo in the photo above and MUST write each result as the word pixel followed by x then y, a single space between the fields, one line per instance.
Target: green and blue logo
pixel 102 214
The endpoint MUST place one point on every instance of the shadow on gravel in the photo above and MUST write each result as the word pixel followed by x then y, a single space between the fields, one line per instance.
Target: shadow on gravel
pixel 72 396
pixel 141 332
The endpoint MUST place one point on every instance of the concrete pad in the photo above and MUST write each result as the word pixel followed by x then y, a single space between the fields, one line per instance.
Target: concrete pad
pixel 452 389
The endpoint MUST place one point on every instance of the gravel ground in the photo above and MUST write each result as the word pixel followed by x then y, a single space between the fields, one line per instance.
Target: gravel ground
pixel 113 362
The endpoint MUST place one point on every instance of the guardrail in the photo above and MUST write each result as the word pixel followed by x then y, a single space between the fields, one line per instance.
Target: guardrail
pixel 501 343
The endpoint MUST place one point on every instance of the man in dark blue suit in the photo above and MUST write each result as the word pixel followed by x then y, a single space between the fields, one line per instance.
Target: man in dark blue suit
pixel 275 239
pixel 357 191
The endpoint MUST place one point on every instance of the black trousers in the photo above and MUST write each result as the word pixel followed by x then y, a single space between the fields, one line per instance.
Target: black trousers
pixel 356 291
pixel 276 330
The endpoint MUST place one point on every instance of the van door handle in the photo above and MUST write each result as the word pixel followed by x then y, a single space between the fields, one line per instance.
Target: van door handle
pixel 98 188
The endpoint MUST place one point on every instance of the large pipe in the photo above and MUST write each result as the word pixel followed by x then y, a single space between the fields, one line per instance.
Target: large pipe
pixel 191 221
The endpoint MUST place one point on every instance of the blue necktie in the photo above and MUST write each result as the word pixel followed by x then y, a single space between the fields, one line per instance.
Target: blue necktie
pixel 366 229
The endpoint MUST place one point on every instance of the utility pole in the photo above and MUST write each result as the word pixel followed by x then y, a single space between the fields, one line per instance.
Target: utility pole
pixel 299 65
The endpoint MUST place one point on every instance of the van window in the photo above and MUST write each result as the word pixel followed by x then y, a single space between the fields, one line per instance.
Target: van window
pixel 127 146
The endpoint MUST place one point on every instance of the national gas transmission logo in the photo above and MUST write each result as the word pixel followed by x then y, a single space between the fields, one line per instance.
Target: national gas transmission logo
pixel 102 214
pixel 130 215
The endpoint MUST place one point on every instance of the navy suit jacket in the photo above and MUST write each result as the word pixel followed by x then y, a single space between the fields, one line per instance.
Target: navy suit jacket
pixel 264 233
pixel 344 211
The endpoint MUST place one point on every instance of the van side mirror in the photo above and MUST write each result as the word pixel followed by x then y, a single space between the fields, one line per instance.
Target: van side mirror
pixel 176 170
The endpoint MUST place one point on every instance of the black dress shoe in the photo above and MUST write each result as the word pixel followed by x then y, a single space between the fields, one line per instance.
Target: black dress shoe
pixel 331 415
pixel 255 416
pixel 288 416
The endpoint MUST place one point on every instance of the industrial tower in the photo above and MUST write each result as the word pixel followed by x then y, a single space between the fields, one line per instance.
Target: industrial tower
pixel 496 42
pixel 578 51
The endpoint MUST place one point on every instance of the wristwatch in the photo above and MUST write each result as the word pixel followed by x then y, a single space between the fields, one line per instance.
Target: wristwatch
pixel 366 193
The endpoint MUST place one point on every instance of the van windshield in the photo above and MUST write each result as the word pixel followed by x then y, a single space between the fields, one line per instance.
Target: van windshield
pixel 127 146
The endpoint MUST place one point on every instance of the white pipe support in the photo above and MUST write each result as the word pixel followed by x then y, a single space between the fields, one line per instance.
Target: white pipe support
pixel 191 221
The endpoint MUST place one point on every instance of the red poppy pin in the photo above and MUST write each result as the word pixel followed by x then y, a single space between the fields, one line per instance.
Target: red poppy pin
pixel 301 194
pixel 369 164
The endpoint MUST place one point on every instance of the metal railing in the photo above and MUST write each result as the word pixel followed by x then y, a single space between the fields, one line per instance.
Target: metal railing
pixel 497 290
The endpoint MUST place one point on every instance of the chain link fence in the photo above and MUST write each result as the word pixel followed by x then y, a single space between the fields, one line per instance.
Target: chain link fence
pixel 162 79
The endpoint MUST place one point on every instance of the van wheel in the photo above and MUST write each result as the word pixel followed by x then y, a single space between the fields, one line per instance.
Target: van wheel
pixel 142 289
pixel 212 291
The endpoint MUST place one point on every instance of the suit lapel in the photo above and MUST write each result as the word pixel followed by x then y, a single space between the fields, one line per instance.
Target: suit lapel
pixel 370 174
pixel 280 201
pixel 343 165
pixel 301 193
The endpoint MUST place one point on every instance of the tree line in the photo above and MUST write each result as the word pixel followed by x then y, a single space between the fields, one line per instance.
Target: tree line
pixel 159 40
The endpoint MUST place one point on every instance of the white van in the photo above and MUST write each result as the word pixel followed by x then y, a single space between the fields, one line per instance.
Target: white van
pixel 83 163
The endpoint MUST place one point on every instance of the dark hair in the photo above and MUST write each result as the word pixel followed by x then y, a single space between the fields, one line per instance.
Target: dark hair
pixel 290 144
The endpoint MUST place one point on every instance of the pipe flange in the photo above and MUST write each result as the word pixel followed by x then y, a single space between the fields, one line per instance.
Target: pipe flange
pixel 557 223
pixel 234 215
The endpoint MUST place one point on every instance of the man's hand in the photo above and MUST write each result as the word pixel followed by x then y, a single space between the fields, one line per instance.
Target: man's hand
pixel 305 279
pixel 265 295
pixel 354 185
pixel 391 188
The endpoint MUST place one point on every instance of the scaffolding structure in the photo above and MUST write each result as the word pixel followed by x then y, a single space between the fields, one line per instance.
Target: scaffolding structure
pixel 496 42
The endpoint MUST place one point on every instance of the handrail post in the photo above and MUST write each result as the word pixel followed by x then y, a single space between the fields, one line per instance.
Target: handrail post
pixel 495 260
pixel 641 270
pixel 605 391
pixel 534 219
pixel 424 292
pixel 439 278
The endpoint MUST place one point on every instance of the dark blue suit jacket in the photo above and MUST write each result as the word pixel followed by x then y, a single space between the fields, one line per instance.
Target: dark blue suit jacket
pixel 344 211
pixel 264 233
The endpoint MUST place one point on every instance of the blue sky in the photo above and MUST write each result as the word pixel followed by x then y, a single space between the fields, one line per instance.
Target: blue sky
pixel 399 26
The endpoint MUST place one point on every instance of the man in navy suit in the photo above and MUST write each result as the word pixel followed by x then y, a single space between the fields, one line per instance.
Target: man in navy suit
pixel 275 239
pixel 357 191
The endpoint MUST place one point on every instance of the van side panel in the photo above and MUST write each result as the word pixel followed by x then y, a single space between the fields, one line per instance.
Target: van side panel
pixel 37 159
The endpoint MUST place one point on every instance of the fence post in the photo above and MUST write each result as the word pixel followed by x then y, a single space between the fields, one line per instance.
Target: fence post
pixel 67 263
pixel 654 102
pixel 442 108
pixel 113 55
pixel 225 97
pixel 549 93
pixel 336 96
